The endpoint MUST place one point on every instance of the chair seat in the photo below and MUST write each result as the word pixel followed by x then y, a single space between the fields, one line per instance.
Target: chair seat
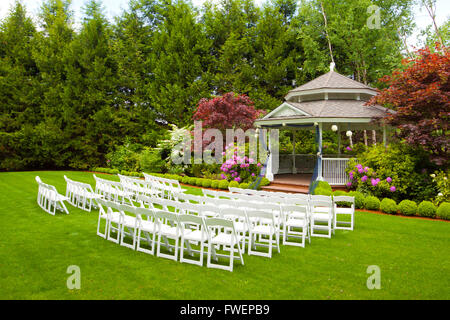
pixel 321 216
pixel 344 210
pixel 129 221
pixel 195 235
pixel 240 227
pixel 169 231
pixel 115 217
pixel 147 225
pixel 262 229
pixel 296 223
pixel 321 209
pixel 224 239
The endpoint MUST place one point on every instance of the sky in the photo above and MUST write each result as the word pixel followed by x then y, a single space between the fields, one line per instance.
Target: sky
pixel 115 7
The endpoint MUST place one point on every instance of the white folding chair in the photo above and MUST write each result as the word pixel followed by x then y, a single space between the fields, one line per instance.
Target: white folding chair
pixel 130 222
pixel 321 218
pixel 49 199
pixel 344 211
pixel 221 232
pixel 262 224
pixel 241 222
pixel 296 225
pixel 192 230
pixel 81 194
pixel 146 226
pixel 168 229
pixel 112 190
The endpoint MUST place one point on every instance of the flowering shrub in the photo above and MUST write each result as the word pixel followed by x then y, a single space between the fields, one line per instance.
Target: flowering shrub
pixel 365 180
pixel 405 166
pixel 237 168
pixel 441 180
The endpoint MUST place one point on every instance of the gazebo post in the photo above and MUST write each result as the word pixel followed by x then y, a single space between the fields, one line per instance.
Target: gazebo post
pixel 384 135
pixel 269 167
pixel 319 155
pixel 294 170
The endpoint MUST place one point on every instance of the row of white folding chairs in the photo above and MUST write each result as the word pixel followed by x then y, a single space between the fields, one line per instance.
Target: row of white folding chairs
pixel 167 186
pixel 325 212
pixel 80 194
pixel 337 209
pixel 112 190
pixel 251 221
pixel 291 219
pixel 137 186
pixel 158 227
pixel 49 199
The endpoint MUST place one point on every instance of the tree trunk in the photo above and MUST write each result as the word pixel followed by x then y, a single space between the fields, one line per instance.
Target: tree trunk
pixel 432 12
pixel 326 31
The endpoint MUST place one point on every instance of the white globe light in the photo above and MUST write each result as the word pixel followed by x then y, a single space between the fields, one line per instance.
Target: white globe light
pixel 334 127
pixel 284 124
pixel 349 133
pixel 316 124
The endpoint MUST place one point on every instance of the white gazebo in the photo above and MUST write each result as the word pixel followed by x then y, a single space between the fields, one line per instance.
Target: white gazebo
pixel 329 102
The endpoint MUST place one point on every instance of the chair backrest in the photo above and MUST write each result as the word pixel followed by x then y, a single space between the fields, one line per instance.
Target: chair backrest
pixel 208 210
pixel 191 219
pixel 189 208
pixel 297 211
pixel 320 197
pixel 344 199
pixel 209 193
pixel 264 216
pixel 144 212
pixel 219 222
pixel 233 213
pixel 166 215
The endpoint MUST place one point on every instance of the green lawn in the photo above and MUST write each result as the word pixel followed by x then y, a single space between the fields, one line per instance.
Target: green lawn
pixel 36 249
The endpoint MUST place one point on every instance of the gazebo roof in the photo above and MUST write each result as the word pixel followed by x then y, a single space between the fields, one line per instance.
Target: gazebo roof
pixel 341 107
pixel 327 109
pixel 331 80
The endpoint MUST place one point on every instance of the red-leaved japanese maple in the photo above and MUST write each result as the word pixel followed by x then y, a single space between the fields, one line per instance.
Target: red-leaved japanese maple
pixel 228 111
pixel 420 96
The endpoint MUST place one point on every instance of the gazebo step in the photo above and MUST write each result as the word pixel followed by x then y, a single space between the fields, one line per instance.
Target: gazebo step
pixel 277 187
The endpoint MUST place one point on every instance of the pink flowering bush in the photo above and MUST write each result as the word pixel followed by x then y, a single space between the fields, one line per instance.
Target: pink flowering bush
pixel 239 168
pixel 365 180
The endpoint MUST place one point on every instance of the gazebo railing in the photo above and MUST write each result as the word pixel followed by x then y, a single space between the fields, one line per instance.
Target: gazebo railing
pixel 333 170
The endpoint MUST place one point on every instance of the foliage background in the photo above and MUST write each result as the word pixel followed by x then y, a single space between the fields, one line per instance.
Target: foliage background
pixel 68 97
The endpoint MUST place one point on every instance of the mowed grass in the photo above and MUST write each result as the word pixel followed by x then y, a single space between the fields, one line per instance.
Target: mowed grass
pixel 36 249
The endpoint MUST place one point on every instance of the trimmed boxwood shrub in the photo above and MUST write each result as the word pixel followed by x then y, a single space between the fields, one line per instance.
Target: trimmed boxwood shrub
pixel 359 199
pixel 244 185
pixel 185 180
pixel 407 207
pixel 264 182
pixel 233 184
pixel 223 184
pixel 192 181
pixel 340 193
pixel 215 184
pixel 372 203
pixel 443 211
pixel 324 185
pixel 388 206
pixel 322 191
pixel 206 183
pixel 114 171
pixel 426 209
pixel 199 182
